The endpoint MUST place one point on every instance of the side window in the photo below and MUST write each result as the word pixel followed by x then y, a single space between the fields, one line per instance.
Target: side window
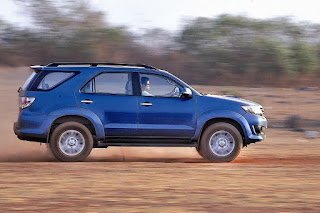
pixel 110 83
pixel 29 81
pixel 89 87
pixel 53 79
pixel 154 85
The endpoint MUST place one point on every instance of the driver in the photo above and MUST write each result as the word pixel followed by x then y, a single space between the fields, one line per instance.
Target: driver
pixel 145 86
pixel 145 89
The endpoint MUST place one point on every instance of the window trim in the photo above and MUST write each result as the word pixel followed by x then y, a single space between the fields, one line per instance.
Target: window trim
pixel 43 74
pixel 104 93
pixel 163 76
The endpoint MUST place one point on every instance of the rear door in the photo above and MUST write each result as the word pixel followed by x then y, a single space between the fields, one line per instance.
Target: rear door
pixel 110 96
pixel 162 112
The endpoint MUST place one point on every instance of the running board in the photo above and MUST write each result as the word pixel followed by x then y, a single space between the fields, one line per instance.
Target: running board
pixel 146 143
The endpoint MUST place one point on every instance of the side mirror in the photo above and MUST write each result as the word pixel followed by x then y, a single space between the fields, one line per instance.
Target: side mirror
pixel 186 93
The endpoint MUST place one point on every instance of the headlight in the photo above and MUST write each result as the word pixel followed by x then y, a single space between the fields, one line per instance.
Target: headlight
pixel 256 110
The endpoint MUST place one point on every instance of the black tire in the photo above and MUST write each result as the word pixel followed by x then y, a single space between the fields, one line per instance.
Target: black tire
pixel 207 152
pixel 86 141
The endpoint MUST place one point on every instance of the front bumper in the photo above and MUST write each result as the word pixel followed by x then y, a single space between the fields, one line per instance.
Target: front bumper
pixel 254 126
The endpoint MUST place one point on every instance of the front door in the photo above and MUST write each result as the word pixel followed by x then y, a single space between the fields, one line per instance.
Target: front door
pixel 110 96
pixel 162 112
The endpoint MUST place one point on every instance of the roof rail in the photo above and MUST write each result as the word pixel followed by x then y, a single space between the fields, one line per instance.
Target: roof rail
pixel 95 64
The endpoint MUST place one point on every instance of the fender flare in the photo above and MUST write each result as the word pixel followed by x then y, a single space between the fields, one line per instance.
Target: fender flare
pixel 221 114
pixel 75 111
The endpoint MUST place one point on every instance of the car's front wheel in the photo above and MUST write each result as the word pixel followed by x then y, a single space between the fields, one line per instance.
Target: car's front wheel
pixel 220 142
pixel 71 141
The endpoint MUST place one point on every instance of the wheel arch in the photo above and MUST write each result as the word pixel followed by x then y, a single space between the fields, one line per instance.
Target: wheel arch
pixel 231 121
pixel 74 118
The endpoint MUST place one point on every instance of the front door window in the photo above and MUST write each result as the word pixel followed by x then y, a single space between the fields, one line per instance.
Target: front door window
pixel 158 86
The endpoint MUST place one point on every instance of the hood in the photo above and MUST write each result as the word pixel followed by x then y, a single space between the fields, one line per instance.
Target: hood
pixel 235 99
pixel 207 103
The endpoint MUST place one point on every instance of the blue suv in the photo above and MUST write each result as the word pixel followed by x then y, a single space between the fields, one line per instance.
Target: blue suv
pixel 74 107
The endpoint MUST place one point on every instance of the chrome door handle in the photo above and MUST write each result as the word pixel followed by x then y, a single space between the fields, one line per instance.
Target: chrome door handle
pixel 86 101
pixel 146 104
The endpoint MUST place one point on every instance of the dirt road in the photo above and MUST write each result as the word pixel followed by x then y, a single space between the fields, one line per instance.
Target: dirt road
pixel 280 174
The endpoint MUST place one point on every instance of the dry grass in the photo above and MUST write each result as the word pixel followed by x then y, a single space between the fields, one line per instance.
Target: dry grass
pixel 279 103
pixel 280 174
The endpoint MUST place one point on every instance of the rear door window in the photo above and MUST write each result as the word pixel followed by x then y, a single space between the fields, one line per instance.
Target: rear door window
pixel 110 83
pixel 53 79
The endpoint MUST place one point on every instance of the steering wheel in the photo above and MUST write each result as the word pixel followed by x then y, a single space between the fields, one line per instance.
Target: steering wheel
pixel 174 93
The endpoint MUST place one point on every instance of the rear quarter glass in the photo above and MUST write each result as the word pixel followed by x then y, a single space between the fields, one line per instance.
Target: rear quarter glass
pixel 29 81
pixel 49 80
pixel 52 79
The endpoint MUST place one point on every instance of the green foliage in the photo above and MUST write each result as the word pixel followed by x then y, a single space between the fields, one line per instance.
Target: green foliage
pixel 276 46
pixel 304 58
pixel 64 31
pixel 224 46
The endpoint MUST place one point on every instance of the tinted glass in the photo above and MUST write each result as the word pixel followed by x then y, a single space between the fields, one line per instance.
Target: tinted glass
pixel 114 83
pixel 53 79
pixel 89 87
pixel 29 81
pixel 154 85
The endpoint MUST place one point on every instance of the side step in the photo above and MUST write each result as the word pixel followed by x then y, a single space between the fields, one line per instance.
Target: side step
pixel 146 143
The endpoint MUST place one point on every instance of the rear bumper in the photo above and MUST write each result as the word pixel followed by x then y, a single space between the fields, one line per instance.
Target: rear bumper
pixel 16 129
pixel 27 136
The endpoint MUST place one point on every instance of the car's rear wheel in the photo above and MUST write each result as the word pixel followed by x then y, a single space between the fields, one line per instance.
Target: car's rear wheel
pixel 220 142
pixel 71 141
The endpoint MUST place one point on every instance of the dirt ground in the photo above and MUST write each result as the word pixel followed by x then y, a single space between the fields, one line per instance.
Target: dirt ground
pixel 280 174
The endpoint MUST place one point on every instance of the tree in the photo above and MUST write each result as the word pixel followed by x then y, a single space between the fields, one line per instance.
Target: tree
pixel 304 58
pixel 244 45
pixel 72 30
